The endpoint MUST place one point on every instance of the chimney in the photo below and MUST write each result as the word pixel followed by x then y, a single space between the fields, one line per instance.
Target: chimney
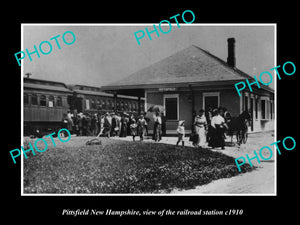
pixel 231 52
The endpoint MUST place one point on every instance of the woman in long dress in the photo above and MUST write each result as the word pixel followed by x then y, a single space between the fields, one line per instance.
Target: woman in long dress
pixel 200 125
pixel 123 129
pixel 218 127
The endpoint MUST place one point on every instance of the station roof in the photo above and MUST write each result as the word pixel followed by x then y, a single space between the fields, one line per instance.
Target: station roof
pixel 190 66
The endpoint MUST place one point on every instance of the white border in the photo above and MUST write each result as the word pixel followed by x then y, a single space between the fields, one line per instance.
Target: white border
pixel 151 24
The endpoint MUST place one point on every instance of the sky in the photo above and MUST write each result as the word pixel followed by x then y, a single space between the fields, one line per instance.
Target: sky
pixel 105 53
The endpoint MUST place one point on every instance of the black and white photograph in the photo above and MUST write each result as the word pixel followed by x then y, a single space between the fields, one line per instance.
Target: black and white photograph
pixel 140 113
pixel 158 117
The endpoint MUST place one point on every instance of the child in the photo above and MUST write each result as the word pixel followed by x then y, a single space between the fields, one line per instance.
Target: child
pixel 180 132
pixel 133 127
pixel 141 127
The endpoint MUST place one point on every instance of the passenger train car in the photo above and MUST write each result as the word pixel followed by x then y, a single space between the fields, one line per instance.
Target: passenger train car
pixel 46 102
pixel 92 100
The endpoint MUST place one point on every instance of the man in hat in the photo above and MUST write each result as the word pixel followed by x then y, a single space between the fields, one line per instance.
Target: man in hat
pixel 218 124
pixel 107 125
pixel 115 124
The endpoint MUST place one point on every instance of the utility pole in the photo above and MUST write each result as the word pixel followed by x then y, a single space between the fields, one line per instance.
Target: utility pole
pixel 28 74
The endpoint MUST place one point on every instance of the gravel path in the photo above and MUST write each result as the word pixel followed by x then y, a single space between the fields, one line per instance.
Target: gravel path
pixel 260 181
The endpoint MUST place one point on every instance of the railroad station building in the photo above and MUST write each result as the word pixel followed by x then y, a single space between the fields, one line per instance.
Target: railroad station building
pixel 194 79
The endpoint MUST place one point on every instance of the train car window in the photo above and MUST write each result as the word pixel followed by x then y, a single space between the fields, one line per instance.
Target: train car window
pixel 141 106
pixel 129 106
pixel 51 101
pixel 112 104
pixel 43 100
pixel 34 100
pixel 87 104
pixel 101 104
pixel 59 101
pixel 93 106
pixel 109 104
pixel 98 104
pixel 26 99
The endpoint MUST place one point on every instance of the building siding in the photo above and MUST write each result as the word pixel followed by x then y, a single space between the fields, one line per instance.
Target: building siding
pixel 228 98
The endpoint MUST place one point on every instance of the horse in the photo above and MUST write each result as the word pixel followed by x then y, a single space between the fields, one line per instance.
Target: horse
pixel 239 126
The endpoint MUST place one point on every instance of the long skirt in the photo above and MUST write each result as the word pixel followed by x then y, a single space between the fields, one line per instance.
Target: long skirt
pixel 133 131
pixel 217 137
pixel 123 131
pixel 202 136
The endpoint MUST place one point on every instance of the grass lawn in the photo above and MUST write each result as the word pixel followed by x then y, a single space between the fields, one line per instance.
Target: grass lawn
pixel 123 167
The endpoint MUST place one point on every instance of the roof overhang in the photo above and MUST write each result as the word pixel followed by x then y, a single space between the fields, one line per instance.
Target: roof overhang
pixel 138 90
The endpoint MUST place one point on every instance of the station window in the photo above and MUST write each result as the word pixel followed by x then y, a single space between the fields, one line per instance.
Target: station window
pixel 59 101
pixel 246 103
pixel 256 108
pixel 51 101
pixel 271 110
pixel 263 109
pixel 34 100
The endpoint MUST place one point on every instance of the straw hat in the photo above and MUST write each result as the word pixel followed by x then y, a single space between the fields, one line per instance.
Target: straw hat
pixel 180 122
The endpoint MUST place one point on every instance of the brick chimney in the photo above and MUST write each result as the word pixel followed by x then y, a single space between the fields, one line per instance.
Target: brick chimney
pixel 231 52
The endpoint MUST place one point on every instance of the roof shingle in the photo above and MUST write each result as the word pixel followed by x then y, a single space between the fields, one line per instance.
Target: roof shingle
pixel 189 65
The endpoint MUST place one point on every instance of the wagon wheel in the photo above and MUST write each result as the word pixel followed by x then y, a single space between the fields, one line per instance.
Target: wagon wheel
pixel 244 137
pixel 239 137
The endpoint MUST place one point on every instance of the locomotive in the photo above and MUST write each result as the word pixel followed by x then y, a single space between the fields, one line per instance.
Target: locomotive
pixel 46 102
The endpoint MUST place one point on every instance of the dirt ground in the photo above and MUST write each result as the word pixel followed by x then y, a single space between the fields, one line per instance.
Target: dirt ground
pixel 260 181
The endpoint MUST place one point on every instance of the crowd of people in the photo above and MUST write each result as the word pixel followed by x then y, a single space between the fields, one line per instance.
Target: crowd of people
pixel 208 126
pixel 107 124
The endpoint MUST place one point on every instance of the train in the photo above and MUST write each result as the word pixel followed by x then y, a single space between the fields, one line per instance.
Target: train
pixel 45 103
